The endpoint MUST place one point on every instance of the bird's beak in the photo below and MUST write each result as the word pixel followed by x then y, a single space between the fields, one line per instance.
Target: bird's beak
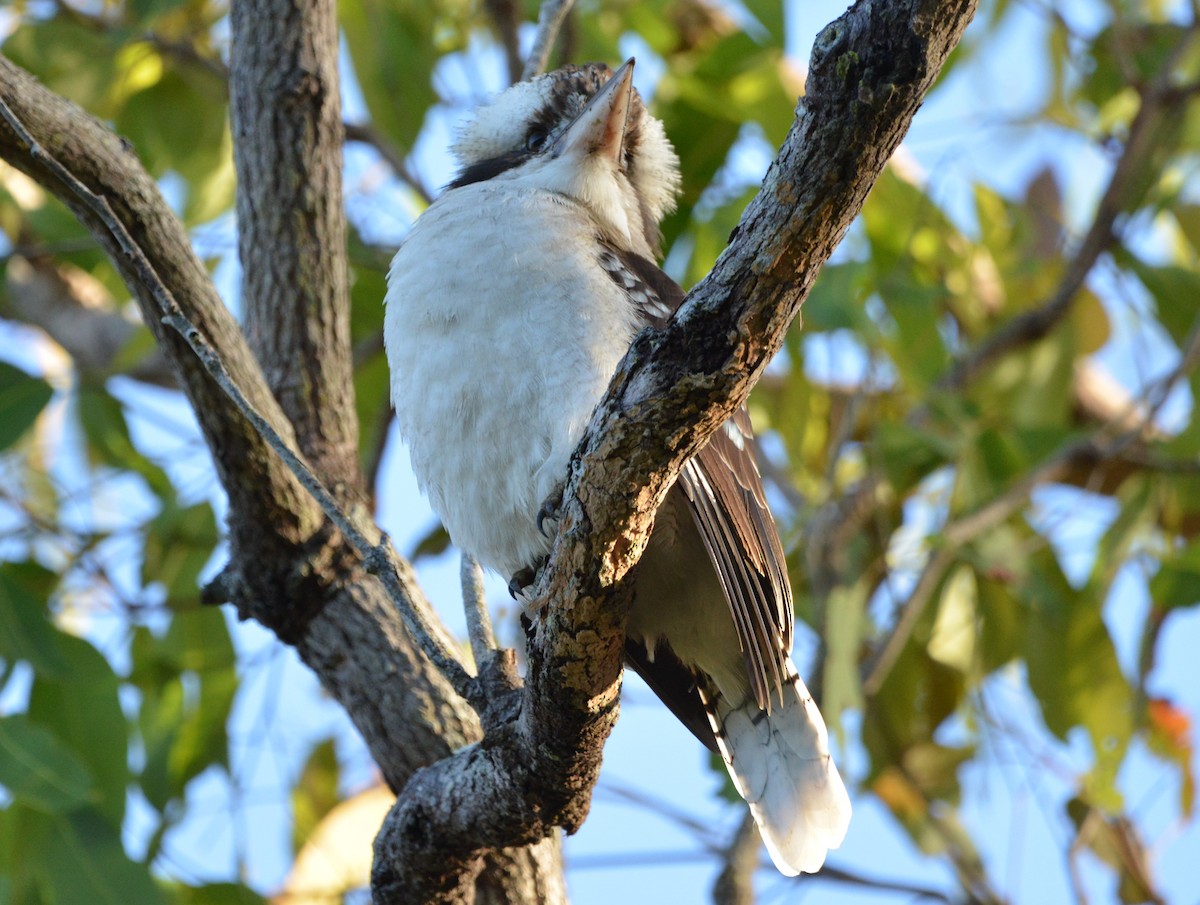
pixel 600 129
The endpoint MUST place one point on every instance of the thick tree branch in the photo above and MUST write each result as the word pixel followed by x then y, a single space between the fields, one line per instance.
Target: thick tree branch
pixel 869 73
pixel 285 105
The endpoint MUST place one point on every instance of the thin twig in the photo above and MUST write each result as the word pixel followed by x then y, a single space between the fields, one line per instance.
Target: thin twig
pixel 392 155
pixel 735 883
pixel 550 20
pixel 479 621
pixel 379 558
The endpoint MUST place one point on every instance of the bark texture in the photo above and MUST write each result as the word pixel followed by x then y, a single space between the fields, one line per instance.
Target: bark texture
pixel 286 110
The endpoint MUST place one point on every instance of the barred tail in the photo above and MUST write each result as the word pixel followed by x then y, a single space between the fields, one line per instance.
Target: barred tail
pixel 780 764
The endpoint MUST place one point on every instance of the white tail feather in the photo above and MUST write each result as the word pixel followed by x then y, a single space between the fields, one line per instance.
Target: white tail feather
pixel 780 764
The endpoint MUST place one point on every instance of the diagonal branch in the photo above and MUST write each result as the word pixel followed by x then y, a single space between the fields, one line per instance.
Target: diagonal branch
pixel 294 577
pixel 869 73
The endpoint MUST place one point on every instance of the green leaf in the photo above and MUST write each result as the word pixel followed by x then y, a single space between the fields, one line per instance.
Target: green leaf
pixel 954 637
pixel 218 894
pixel 179 543
pixel 933 768
pixel 844 630
pixel 908 453
pixel 198 641
pixel 23 832
pixel 179 123
pixel 917 696
pixel 433 542
pixel 1177 584
pixel 1074 671
pixel 84 861
pixel 38 769
pixel 25 631
pixel 84 710
pixel 999 561
pixel 70 59
pixel 836 299
pixel 107 434
pixel 986 468
pixel 22 398
pixel 188 684
pixel 1175 290
pixel 393 50
pixel 316 793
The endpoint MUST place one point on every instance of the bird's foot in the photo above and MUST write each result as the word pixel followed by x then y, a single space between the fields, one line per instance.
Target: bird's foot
pixel 549 513
pixel 521 583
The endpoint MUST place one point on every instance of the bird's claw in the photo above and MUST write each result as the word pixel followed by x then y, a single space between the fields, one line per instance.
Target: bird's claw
pixel 549 511
pixel 521 581
pixel 520 586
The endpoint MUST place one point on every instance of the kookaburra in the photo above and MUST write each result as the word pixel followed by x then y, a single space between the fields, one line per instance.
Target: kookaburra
pixel 509 305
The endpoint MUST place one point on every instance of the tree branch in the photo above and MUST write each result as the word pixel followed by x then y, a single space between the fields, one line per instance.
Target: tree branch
pixel 380 558
pixel 735 882
pixel 285 106
pixel 869 72
pixel 506 17
pixel 551 16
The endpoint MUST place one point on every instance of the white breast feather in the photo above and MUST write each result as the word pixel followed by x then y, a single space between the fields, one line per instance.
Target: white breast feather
pixel 500 344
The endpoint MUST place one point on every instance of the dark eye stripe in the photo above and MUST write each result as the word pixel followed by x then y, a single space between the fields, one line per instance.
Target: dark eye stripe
pixel 489 169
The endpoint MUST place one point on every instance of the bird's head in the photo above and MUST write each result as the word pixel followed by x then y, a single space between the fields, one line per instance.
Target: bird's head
pixel 584 133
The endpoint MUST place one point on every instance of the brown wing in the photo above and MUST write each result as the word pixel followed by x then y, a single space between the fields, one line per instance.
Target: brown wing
pixel 725 494
pixel 725 491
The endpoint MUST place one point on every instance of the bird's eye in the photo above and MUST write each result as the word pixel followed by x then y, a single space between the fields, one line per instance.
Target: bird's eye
pixel 536 139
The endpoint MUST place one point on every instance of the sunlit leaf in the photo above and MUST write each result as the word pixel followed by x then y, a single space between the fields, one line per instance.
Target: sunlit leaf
pixel 845 615
pixel 68 57
pixel 955 632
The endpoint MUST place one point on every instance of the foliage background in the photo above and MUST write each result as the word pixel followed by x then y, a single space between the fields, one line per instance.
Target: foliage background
pixel 999 563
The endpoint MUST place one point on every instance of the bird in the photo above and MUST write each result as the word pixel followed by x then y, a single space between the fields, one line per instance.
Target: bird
pixel 510 303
